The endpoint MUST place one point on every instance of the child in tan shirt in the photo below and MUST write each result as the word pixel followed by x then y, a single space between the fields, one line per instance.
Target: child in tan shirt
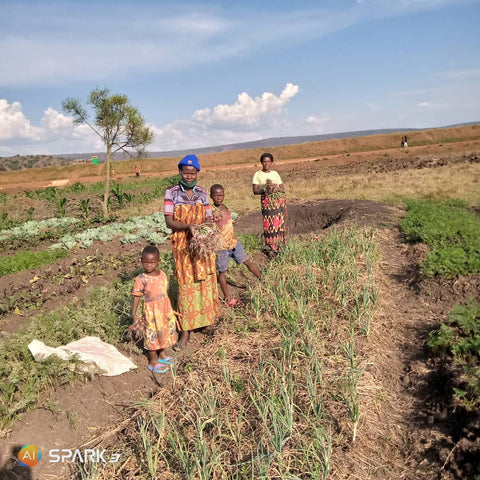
pixel 233 247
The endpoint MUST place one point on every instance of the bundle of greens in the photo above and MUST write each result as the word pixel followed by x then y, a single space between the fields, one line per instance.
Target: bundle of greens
pixel 205 241
pixel 271 190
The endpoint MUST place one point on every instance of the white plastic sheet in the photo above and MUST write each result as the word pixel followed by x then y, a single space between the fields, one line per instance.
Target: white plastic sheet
pixel 90 350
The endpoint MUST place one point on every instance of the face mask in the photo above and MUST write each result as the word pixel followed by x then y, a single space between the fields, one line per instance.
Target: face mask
pixel 187 184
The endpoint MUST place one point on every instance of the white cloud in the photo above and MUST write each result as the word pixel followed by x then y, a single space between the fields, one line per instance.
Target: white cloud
pixel 57 123
pixel 318 122
pixel 249 118
pixel 13 122
pixel 247 111
pixel 432 105
pixel 56 133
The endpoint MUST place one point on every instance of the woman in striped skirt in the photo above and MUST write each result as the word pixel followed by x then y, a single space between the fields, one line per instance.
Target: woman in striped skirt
pixel 269 185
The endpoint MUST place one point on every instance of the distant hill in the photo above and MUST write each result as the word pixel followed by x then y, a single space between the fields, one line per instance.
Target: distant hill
pixel 264 143
pixel 19 162
pixel 36 161
pixel 277 142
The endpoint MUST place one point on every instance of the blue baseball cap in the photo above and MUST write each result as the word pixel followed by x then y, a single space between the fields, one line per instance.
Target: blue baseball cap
pixel 189 161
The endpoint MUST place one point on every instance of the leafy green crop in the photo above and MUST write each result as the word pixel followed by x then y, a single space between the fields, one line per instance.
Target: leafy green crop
pixel 251 242
pixel 25 260
pixel 35 227
pixel 458 341
pixel 151 227
pixel 451 230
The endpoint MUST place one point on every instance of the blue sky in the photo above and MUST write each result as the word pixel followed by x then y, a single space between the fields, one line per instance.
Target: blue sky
pixel 216 72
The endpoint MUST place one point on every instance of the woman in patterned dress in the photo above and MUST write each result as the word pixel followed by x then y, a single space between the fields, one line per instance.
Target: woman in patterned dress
pixel 268 184
pixel 185 207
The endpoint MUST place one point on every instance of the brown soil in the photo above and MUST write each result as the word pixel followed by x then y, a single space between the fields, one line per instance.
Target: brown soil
pixel 413 433
pixel 421 156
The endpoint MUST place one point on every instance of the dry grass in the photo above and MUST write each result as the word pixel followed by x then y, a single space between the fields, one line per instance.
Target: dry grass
pixel 306 181
pixel 392 187
pixel 450 181
pixel 250 157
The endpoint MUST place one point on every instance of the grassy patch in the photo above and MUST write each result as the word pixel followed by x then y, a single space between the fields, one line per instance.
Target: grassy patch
pixel 457 343
pixel 105 315
pixel 452 232
pixel 25 260
pixel 251 242
pixel 131 185
pixel 277 400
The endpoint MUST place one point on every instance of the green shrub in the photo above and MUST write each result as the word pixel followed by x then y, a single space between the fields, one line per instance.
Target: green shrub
pixel 458 341
pixel 77 187
pixel 49 193
pixel 251 242
pixel 452 231
pixel 6 222
pixel 60 203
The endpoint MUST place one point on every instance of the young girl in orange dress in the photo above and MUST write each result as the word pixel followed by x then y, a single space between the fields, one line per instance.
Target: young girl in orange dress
pixel 185 208
pixel 158 320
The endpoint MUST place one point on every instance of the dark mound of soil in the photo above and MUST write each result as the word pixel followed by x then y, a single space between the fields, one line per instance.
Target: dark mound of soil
pixel 321 214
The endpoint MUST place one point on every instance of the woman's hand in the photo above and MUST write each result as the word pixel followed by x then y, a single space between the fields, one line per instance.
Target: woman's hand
pixel 191 230
pixel 177 226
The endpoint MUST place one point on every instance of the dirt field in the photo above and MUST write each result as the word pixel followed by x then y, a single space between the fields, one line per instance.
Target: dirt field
pixel 423 437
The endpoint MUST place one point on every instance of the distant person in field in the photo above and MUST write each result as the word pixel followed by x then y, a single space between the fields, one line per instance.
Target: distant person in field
pixel 158 319
pixel 137 171
pixel 233 247
pixel 186 207
pixel 405 142
pixel 268 184
pixel 402 143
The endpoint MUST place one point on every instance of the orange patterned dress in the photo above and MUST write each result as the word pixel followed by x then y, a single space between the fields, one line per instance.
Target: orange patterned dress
pixel 160 331
pixel 197 282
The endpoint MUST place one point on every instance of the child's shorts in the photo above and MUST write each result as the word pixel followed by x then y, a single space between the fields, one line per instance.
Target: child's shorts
pixel 223 256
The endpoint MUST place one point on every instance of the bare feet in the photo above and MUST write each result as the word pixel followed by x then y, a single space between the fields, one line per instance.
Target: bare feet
pixel 182 341
pixel 208 331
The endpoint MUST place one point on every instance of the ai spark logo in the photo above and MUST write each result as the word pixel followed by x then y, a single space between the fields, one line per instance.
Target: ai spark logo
pixel 89 455
pixel 29 455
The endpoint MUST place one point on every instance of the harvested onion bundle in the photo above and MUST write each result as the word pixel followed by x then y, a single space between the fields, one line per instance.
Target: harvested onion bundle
pixel 271 190
pixel 205 241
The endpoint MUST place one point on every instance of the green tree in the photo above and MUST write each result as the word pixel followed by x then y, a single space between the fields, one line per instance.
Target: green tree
pixel 117 123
